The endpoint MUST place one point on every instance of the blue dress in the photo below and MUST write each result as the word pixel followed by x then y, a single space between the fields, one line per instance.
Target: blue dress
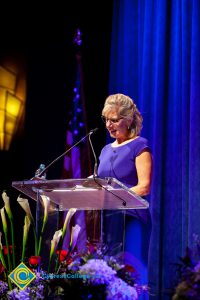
pixel 135 225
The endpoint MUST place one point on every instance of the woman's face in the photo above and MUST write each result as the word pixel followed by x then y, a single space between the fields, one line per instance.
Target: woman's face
pixel 117 126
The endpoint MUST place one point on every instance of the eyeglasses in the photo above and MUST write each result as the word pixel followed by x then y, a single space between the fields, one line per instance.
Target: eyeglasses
pixel 113 121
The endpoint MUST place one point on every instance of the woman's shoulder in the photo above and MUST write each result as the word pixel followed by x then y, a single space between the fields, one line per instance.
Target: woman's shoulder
pixel 141 140
pixel 140 144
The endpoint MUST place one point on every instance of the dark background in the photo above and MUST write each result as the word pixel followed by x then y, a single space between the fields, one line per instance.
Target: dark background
pixel 43 38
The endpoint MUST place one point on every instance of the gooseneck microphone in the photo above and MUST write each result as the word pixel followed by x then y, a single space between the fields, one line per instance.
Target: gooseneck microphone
pixel 55 160
pixel 95 157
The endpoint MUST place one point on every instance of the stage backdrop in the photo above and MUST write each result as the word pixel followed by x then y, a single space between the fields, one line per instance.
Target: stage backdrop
pixel 155 58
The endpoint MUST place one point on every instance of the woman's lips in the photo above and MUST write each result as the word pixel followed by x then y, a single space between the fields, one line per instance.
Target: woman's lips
pixel 112 132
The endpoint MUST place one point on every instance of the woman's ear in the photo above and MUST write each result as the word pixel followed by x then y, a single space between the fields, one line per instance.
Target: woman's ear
pixel 129 123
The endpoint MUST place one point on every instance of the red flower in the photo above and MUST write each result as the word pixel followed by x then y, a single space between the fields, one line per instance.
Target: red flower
pixel 69 261
pixel 129 268
pixel 91 248
pixel 62 254
pixel 34 260
pixel 5 250
pixel 1 268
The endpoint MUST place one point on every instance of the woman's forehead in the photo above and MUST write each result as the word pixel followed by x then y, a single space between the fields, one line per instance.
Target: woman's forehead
pixel 114 111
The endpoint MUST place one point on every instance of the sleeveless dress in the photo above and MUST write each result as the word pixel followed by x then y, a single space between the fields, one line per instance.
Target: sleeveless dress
pixel 134 225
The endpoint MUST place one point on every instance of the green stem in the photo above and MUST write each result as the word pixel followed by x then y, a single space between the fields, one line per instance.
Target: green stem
pixel 57 264
pixel 41 235
pixel 36 241
pixel 9 284
pixel 13 243
pixel 7 279
pixel 49 265
pixel 50 256
pixel 7 246
pixel 58 260
pixel 2 259
pixel 24 248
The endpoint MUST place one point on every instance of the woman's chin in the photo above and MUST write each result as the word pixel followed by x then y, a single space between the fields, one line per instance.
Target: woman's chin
pixel 112 134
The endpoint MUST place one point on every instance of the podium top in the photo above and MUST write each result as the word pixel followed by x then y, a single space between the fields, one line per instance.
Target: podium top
pixel 83 193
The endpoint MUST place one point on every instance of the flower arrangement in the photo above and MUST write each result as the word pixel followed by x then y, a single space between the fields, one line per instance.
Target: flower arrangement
pixel 7 252
pixel 188 287
pixel 93 272
pixel 90 274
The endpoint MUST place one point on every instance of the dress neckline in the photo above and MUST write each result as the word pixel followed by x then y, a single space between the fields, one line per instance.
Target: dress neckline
pixel 115 145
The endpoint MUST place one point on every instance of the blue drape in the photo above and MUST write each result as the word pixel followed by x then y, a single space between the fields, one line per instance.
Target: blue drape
pixel 155 59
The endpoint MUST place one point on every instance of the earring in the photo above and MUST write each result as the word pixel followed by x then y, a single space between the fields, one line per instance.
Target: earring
pixel 128 127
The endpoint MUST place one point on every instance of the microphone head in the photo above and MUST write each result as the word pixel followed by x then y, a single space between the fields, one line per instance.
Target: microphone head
pixel 94 130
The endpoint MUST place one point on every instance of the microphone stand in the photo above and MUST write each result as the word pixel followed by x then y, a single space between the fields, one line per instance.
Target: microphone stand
pixel 95 159
pixel 55 160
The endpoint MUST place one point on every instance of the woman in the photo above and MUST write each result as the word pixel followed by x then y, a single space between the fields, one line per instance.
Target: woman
pixel 128 158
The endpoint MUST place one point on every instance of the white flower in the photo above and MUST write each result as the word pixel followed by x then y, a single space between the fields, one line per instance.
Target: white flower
pixel 6 200
pixel 97 271
pixel 3 218
pixel 68 217
pixel 27 224
pixel 46 204
pixel 55 240
pixel 119 289
pixel 74 236
pixel 25 205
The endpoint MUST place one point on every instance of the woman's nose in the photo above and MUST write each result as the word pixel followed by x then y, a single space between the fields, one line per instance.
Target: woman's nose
pixel 108 123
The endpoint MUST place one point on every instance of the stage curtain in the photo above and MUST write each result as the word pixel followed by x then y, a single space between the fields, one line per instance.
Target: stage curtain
pixel 155 59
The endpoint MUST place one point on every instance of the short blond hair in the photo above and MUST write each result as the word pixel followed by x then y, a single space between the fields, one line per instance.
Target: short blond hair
pixel 127 109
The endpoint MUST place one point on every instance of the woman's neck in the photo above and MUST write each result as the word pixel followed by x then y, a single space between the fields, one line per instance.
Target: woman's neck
pixel 120 142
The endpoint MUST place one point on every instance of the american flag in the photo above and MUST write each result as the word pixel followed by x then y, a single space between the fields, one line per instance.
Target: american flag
pixel 77 163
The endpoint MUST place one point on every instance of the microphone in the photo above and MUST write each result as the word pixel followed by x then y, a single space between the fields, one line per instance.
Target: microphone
pixel 95 157
pixel 95 176
pixel 55 160
pixel 93 130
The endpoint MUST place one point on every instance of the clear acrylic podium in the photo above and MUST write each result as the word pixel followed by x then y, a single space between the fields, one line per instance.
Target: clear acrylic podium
pixel 102 201
pixel 83 194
